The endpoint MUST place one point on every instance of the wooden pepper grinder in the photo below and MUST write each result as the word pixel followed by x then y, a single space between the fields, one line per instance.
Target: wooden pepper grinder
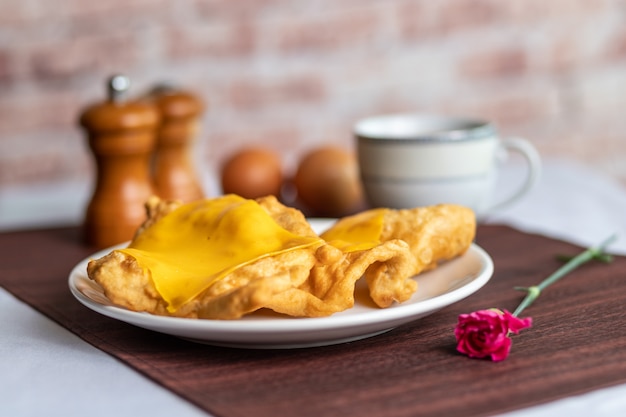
pixel 173 172
pixel 121 136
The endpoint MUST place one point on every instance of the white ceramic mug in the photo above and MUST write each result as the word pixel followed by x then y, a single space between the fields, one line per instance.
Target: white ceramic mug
pixel 411 160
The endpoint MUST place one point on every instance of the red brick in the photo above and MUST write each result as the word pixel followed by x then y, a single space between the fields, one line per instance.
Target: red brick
pixel 15 12
pixel 82 56
pixel 212 9
pixel 50 156
pixel 415 19
pixel 30 168
pixel 615 49
pixel 23 113
pixel 6 71
pixel 540 11
pixel 255 61
pixel 105 10
pixel 222 39
pixel 562 54
pixel 419 20
pixel 252 93
pixel 501 62
pixel 457 15
pixel 518 107
pixel 326 31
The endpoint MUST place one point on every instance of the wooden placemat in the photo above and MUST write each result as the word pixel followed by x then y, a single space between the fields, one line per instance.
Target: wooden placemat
pixel 577 344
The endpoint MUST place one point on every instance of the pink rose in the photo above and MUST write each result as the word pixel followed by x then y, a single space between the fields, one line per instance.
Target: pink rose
pixel 486 333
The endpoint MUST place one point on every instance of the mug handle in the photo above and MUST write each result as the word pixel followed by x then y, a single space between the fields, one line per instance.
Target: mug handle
pixel 533 162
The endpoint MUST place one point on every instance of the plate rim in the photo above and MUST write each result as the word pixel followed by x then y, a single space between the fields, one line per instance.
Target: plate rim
pixel 286 325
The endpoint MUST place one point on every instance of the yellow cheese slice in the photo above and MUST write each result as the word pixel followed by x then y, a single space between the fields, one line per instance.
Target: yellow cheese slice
pixel 199 243
pixel 359 232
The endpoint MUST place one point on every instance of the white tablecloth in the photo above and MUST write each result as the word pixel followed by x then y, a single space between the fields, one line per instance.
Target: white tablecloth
pixel 47 371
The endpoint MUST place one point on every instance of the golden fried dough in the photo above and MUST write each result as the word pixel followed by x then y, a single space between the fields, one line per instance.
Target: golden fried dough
pixel 434 233
pixel 387 267
pixel 227 257
pixel 183 262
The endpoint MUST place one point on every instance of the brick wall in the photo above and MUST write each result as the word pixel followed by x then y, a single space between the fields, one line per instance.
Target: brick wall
pixel 294 74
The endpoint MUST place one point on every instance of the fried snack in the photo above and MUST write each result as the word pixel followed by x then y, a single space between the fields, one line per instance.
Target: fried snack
pixel 324 289
pixel 172 266
pixel 434 234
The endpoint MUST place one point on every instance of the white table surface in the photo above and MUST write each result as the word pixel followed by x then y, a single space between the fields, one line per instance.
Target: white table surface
pixel 48 371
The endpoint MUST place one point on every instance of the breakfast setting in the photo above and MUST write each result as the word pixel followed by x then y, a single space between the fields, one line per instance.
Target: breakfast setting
pixel 269 214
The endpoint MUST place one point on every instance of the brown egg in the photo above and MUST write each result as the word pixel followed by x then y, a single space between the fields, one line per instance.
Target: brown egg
pixel 327 182
pixel 252 173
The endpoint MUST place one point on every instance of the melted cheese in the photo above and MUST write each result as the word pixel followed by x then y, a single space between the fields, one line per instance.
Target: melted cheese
pixel 359 232
pixel 199 243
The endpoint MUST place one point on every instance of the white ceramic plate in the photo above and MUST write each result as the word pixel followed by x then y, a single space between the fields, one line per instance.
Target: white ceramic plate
pixel 449 283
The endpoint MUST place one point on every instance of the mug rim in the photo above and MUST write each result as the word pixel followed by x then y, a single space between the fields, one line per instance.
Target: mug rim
pixel 405 127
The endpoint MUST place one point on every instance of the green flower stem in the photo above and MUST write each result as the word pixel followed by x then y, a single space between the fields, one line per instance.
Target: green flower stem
pixel 533 292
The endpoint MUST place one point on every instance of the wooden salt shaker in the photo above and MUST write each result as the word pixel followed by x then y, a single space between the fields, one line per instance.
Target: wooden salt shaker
pixel 121 135
pixel 174 175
